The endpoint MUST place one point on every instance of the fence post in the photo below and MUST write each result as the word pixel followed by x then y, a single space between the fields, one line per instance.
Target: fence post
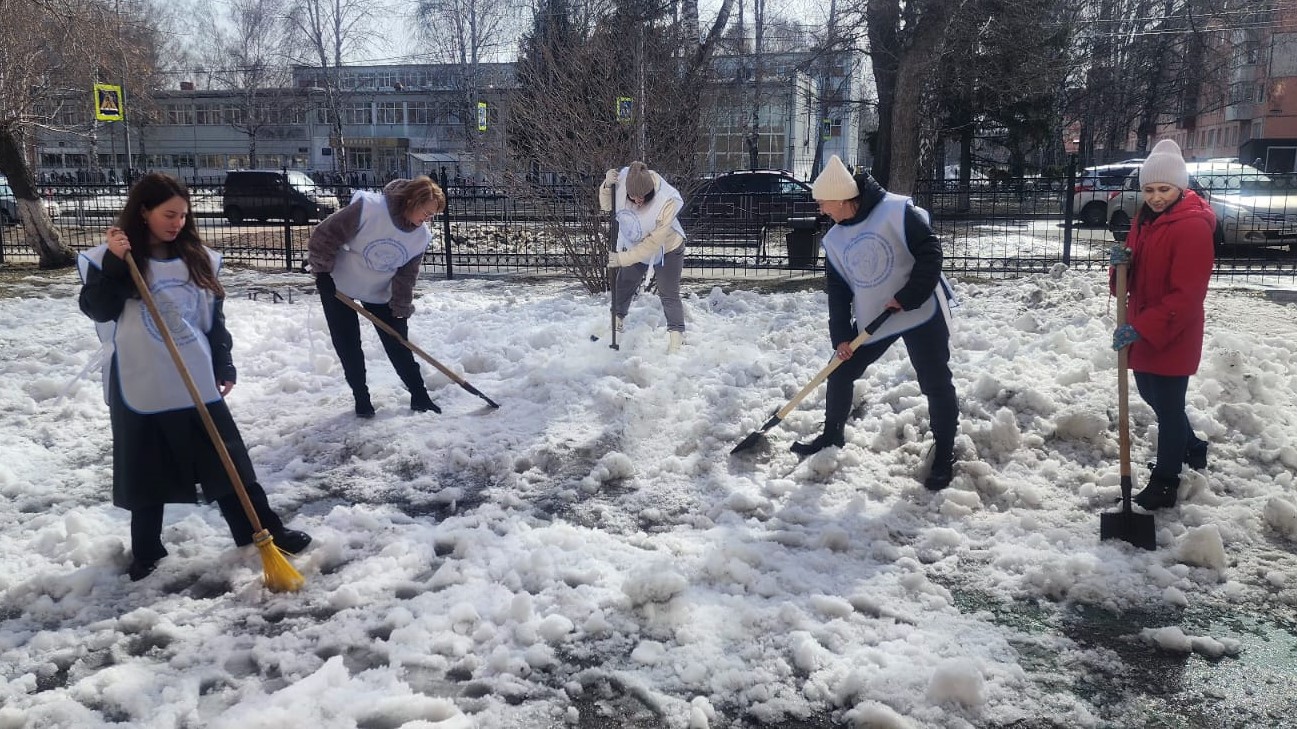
pixel 288 224
pixel 1069 202
pixel 445 225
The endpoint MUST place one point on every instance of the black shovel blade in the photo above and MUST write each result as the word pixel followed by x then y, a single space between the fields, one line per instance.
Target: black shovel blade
pixel 755 436
pixel 1128 526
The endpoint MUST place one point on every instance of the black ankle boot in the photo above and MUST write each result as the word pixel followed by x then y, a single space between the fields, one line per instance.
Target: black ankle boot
pixel 141 568
pixel 942 473
pixel 364 408
pixel 421 403
pixel 832 436
pixel 291 540
pixel 1161 493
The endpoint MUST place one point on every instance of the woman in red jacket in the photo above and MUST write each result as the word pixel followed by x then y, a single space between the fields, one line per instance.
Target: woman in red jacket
pixel 1170 256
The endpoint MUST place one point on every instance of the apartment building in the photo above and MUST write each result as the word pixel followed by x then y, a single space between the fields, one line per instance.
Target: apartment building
pixel 1251 113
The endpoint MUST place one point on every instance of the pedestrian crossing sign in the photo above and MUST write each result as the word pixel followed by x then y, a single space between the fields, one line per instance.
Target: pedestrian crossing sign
pixel 108 102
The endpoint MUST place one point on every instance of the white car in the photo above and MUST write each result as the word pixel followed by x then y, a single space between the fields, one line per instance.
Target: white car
pixel 9 205
pixel 1252 209
pixel 1093 185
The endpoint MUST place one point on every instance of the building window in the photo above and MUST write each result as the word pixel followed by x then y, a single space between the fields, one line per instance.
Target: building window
pixel 360 159
pixel 212 161
pixel 420 112
pixel 390 112
pixel 179 114
pixel 233 115
pixel 360 112
pixel 70 115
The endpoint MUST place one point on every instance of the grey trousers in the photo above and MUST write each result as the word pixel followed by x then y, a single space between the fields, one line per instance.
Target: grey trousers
pixel 668 282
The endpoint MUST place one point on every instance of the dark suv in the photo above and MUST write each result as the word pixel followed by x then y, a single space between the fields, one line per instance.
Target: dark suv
pixel 266 194
pixel 746 202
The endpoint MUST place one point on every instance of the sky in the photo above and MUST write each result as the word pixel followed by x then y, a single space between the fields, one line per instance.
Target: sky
pixel 592 547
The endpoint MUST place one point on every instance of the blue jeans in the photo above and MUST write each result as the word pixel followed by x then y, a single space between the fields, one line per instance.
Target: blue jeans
pixel 1165 394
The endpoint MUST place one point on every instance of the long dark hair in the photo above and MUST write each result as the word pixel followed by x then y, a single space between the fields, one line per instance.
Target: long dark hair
pixel 149 192
pixel 1146 215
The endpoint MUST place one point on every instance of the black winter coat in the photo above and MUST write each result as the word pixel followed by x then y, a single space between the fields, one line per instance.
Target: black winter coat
pixel 159 458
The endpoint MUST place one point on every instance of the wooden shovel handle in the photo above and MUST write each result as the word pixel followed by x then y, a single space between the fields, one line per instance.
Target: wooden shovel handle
pixel 1123 363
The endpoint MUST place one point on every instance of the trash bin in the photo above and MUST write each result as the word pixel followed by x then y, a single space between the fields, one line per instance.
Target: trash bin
pixel 803 243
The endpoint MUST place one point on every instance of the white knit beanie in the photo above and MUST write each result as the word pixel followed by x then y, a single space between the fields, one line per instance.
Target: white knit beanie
pixel 835 182
pixel 1165 164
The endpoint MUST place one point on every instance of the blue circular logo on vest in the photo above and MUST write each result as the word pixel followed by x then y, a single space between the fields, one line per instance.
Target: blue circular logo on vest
pixel 384 254
pixel 629 226
pixel 179 303
pixel 869 259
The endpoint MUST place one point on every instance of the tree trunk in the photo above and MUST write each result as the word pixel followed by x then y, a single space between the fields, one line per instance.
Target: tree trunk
pixel 38 231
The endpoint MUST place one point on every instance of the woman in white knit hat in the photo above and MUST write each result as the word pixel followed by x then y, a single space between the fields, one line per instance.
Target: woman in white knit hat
pixel 1170 254
pixel 648 234
pixel 881 254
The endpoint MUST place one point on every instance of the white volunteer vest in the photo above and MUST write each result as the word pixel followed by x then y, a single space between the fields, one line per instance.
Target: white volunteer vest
pixel 633 223
pixel 365 266
pixel 148 377
pixel 873 257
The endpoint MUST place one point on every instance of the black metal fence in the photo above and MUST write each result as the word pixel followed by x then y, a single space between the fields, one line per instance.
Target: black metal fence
pixel 998 229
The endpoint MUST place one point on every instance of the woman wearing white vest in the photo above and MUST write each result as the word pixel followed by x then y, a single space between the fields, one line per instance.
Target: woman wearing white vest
pixel 160 446
pixel 882 254
pixel 371 250
pixel 647 234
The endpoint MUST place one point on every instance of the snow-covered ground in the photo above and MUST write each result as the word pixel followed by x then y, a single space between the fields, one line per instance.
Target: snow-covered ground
pixel 591 554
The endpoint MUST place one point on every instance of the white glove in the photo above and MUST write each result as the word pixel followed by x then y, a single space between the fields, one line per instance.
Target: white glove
pixel 614 260
pixel 610 178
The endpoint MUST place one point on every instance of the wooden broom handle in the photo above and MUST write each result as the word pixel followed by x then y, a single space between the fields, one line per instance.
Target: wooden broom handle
pixel 212 433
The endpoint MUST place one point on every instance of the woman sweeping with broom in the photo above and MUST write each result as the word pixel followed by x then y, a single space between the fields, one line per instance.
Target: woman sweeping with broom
pixel 165 386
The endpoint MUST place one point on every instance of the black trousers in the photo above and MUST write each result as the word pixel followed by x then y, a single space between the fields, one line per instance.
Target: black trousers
pixel 929 347
pixel 146 522
pixel 344 330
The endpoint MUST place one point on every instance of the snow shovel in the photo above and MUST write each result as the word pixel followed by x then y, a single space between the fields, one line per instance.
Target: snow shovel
pixel 409 345
pixel 833 364
pixel 279 574
pixel 1138 529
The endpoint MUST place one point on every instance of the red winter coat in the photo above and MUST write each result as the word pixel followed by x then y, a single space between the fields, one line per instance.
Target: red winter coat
pixel 1171 262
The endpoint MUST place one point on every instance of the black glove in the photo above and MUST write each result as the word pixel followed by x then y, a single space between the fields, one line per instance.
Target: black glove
pixel 324 284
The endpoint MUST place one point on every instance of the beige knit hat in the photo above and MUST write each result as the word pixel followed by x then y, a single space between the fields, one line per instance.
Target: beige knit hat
pixel 1164 164
pixel 639 181
pixel 835 182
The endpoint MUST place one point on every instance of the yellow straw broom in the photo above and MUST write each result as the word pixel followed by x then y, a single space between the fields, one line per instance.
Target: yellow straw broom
pixel 280 575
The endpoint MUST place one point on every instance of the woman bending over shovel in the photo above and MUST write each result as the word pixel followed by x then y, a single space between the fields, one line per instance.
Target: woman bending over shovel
pixel 160 447
pixel 1170 259
pixel 371 250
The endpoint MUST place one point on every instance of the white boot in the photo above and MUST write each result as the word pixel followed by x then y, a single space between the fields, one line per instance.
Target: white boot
pixel 674 340
pixel 620 326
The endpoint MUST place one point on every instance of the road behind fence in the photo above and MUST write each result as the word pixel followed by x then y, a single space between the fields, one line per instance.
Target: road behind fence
pixel 990 230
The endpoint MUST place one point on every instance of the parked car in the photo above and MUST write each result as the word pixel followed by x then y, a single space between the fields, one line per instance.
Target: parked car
pixel 1252 208
pixel 746 201
pixel 9 204
pixel 273 194
pixel 1090 194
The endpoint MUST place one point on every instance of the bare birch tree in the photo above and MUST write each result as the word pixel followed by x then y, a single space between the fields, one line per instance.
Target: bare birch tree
pixel 328 32
pixel 247 51
pixel 51 52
